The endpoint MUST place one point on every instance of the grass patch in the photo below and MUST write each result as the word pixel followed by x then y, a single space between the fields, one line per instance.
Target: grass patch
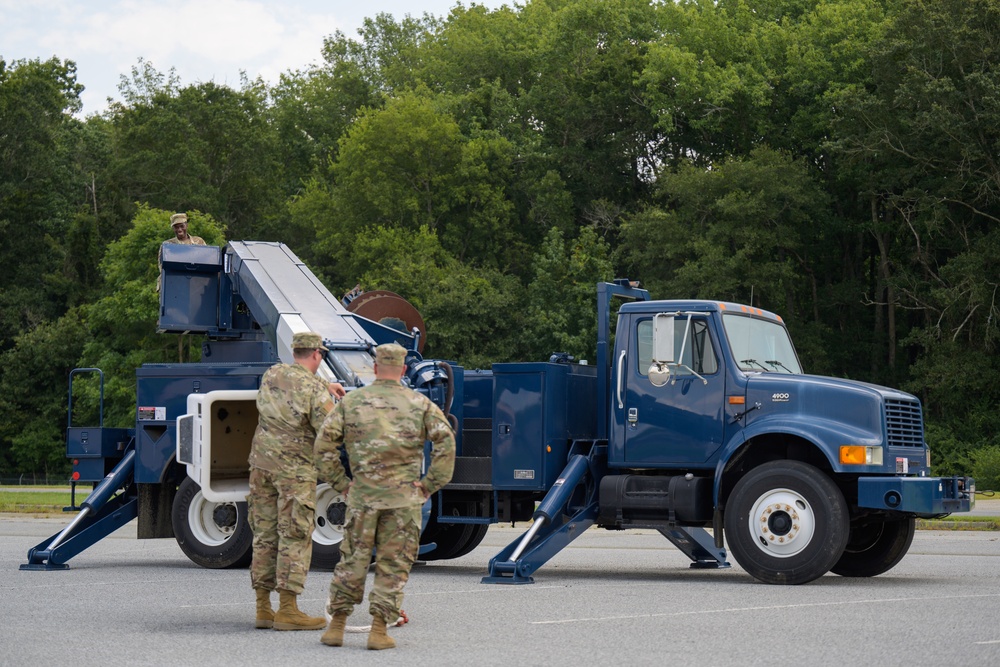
pixel 33 502
pixel 960 522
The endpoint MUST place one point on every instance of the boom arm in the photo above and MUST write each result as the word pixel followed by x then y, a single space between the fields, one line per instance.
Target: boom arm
pixel 259 290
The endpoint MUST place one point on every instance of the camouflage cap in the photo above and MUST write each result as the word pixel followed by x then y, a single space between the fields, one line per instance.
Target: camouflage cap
pixel 307 340
pixel 390 354
pixel 178 218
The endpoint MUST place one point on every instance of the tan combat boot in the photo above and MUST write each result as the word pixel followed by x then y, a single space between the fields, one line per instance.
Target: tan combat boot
pixel 334 635
pixel 377 638
pixel 290 618
pixel 265 615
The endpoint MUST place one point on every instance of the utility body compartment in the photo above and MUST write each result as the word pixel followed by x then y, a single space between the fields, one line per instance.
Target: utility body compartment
pixel 538 410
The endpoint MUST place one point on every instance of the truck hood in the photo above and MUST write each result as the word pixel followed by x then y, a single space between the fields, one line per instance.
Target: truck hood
pixel 858 409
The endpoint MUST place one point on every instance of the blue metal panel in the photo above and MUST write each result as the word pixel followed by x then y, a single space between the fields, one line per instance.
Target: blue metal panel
pixel 681 424
pixel 539 408
pixel 921 495
pixel 94 451
pixel 478 394
pixel 189 291
pixel 161 397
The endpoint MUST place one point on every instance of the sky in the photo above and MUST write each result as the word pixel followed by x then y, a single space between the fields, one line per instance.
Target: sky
pixel 203 40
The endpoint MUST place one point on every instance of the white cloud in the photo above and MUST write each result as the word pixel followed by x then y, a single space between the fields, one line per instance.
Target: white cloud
pixel 203 40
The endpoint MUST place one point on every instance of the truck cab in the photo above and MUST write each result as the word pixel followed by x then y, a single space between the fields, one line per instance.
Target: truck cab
pixel 806 474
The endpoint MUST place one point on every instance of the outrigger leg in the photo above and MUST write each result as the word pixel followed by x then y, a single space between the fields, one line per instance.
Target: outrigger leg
pixel 101 514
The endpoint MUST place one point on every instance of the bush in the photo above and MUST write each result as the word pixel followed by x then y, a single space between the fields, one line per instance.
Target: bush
pixel 986 468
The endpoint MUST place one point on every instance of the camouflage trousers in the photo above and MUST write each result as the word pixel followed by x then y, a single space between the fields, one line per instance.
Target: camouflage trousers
pixel 394 535
pixel 281 511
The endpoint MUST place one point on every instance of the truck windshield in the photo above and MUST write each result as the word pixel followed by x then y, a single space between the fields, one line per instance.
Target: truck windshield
pixel 760 345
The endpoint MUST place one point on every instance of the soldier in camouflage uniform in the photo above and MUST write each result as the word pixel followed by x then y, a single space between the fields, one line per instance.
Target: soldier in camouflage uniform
pixel 383 428
pixel 179 223
pixel 292 403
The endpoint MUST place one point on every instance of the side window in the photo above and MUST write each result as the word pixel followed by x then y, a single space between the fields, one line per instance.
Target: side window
pixel 699 354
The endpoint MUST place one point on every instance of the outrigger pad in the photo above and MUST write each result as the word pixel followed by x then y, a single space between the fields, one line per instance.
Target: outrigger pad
pixel 44 566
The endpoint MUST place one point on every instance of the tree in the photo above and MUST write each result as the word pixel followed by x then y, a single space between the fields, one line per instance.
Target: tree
pixel 561 303
pixel 749 230
pixel 33 396
pixel 473 315
pixel 925 130
pixel 204 147
pixel 38 187
pixel 409 166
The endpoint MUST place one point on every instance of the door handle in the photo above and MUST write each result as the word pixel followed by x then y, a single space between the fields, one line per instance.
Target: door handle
pixel 618 386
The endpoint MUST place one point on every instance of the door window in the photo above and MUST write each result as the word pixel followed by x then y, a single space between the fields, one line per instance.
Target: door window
pixel 699 354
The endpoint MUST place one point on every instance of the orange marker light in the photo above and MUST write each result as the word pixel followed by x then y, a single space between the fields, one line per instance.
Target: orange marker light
pixel 737 400
pixel 852 455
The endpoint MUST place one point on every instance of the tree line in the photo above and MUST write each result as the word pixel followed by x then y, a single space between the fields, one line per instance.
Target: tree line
pixel 835 161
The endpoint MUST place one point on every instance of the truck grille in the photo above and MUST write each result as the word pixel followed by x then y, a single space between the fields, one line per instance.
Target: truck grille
pixel 904 424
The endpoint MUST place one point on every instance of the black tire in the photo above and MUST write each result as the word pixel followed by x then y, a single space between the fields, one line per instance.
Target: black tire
pixel 212 535
pixel 451 539
pixel 328 533
pixel 471 541
pixel 875 547
pixel 786 523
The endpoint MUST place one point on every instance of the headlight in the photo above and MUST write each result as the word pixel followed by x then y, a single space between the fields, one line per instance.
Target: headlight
pixel 860 455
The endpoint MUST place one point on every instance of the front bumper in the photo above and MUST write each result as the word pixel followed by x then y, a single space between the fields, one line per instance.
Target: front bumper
pixel 918 495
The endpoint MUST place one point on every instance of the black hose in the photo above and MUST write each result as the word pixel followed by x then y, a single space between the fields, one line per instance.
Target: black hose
pixel 449 396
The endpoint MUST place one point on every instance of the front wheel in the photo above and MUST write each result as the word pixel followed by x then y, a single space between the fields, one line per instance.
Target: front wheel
pixel 875 547
pixel 786 523
pixel 212 535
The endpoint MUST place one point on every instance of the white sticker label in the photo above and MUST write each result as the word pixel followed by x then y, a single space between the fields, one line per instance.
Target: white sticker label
pixel 152 413
pixel 902 465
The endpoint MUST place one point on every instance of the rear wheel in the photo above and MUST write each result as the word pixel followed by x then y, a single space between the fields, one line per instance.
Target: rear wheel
pixel 212 535
pixel 328 532
pixel 875 547
pixel 452 540
pixel 786 523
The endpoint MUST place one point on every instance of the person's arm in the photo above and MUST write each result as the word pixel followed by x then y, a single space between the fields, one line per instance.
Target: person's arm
pixel 329 439
pixel 336 390
pixel 442 450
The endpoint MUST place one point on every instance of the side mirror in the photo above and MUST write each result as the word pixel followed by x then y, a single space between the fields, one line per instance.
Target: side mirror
pixel 663 338
pixel 659 374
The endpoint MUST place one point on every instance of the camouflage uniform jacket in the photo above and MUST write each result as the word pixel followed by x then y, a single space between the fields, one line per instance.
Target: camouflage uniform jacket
pixel 191 240
pixel 292 404
pixel 383 428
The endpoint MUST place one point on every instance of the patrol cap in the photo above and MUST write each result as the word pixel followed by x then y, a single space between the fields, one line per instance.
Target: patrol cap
pixel 390 354
pixel 178 218
pixel 307 340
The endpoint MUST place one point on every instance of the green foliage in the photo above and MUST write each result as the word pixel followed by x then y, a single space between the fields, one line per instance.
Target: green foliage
pixel 746 226
pixel 204 147
pixel 33 395
pixel 408 166
pixel 472 315
pixel 37 182
pixel 986 468
pixel 561 308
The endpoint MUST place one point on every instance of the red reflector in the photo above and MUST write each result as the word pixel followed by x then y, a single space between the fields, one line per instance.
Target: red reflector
pixel 76 462
pixel 76 476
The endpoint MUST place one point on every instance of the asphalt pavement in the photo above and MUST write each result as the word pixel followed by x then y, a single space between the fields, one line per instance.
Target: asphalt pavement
pixel 623 598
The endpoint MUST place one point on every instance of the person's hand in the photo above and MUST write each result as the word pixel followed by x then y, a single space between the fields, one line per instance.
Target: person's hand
pixel 423 490
pixel 336 390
